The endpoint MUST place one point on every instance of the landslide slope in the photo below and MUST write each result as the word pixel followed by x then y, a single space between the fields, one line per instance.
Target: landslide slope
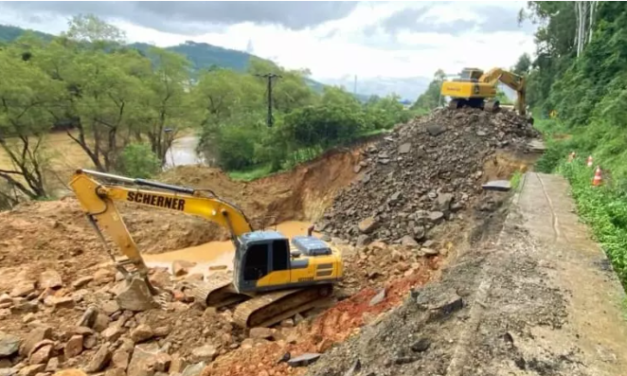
pixel 425 172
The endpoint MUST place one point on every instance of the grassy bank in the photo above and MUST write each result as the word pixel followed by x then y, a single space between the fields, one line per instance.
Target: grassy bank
pixel 603 208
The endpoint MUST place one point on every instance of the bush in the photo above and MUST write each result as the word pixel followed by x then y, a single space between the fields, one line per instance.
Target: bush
pixel 236 146
pixel 322 125
pixel 139 161
pixel 604 208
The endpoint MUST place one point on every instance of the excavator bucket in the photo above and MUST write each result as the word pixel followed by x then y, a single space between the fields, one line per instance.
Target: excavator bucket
pixel 491 106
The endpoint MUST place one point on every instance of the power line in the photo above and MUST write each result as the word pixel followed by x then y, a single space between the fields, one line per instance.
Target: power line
pixel 270 77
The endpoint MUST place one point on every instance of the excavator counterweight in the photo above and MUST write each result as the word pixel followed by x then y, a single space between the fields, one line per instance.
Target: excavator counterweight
pixel 275 276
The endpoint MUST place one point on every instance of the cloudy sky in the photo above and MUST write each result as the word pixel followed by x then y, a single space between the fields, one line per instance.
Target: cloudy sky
pixel 332 39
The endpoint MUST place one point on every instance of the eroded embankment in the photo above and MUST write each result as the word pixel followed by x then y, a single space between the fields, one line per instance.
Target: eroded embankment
pixel 53 241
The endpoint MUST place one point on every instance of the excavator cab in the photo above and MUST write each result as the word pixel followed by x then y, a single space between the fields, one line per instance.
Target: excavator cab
pixel 264 261
pixel 470 75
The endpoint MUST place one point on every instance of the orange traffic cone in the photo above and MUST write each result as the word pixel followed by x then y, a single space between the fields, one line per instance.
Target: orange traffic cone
pixel 598 180
pixel 590 161
pixel 571 157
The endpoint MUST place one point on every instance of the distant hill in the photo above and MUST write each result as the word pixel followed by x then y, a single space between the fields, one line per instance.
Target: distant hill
pixel 408 88
pixel 202 55
pixel 11 33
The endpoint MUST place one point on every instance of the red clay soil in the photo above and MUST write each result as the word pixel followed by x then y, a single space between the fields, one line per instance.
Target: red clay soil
pixel 333 326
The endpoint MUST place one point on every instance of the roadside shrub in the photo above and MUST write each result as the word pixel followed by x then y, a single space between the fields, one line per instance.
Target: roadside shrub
pixel 604 209
pixel 236 147
pixel 138 161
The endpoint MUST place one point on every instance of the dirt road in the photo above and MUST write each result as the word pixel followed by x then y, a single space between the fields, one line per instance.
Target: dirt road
pixel 535 299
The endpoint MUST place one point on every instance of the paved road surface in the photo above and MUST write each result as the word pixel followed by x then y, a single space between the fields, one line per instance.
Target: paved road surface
pixel 578 266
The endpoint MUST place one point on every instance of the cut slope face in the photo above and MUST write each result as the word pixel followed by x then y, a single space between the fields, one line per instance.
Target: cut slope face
pixel 426 171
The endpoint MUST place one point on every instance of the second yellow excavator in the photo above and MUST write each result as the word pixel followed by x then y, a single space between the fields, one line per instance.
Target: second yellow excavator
pixel 477 89
pixel 274 280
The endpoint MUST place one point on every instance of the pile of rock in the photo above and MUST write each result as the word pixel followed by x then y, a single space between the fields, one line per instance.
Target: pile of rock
pixel 49 324
pixel 423 173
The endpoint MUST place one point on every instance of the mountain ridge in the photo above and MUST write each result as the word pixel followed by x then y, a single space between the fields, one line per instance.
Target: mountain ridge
pixel 203 56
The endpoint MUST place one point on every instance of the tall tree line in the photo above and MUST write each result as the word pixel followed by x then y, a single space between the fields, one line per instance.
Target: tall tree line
pixel 124 107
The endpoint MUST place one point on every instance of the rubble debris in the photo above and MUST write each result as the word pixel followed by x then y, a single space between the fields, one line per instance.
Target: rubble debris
pixel 9 345
pixel 110 307
pixel 41 354
pixel 303 360
pixel 74 346
pixel 23 289
pixel 193 369
pixel 142 358
pixel 261 333
pixel 421 345
pixel 53 365
pixel 181 267
pixel 115 372
pixel 378 298
pixel 498 185
pixel 133 295
pixel 437 176
pixel 70 372
pixel 82 282
pixel 367 225
pixel 141 333
pixel 50 279
pixel 31 370
pixel 120 358
pixel 441 305
pixel 204 353
pixel 100 360
pixel 34 337
pixel 354 369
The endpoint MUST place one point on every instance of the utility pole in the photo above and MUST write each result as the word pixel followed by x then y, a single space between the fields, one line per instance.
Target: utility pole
pixel 270 77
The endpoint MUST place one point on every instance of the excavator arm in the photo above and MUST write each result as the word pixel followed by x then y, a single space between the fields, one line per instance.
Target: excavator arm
pixel 512 80
pixel 97 200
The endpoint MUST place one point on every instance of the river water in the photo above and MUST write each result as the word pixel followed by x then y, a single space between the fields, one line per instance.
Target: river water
pixel 183 152
pixel 217 254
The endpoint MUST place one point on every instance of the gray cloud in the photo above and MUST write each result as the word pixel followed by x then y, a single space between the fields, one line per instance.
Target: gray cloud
pixel 188 17
pixel 495 19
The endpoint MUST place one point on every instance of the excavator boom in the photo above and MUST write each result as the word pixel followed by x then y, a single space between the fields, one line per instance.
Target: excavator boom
pixel 262 260
pixel 511 80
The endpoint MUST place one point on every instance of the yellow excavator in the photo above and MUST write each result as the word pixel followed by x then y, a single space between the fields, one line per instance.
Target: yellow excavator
pixel 273 280
pixel 477 89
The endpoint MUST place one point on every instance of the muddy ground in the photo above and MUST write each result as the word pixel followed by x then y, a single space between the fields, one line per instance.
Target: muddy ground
pixel 56 284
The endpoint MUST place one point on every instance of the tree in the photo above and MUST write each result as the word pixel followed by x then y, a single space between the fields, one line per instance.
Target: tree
pixel 384 113
pixel 431 98
pixel 220 92
pixel 523 65
pixel 94 31
pixel 167 103
pixel 290 91
pixel 25 94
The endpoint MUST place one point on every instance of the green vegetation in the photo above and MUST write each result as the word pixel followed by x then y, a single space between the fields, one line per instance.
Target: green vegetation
pixel 515 180
pixel 124 104
pixel 604 209
pixel 579 75
pixel 139 161
pixel 431 98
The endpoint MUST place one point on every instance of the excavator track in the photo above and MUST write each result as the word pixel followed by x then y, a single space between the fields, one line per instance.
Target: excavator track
pixel 273 307
pixel 218 291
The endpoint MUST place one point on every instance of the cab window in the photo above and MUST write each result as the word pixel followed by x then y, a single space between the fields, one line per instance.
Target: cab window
pixel 280 255
pixel 256 262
